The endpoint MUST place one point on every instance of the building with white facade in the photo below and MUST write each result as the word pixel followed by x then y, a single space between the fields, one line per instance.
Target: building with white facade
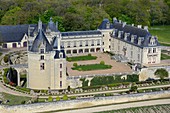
pixel 48 48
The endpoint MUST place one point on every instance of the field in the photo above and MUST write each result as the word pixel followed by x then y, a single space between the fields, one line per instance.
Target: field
pixel 162 32
pixel 147 109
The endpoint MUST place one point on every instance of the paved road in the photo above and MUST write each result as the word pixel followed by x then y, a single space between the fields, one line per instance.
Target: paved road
pixel 110 91
pixel 119 106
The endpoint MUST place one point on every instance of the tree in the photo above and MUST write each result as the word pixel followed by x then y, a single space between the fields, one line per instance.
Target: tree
pixel 161 73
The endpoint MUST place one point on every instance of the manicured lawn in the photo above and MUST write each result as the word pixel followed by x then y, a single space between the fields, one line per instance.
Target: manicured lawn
pixel 14 100
pixel 91 67
pixel 81 58
pixel 163 33
pixel 164 56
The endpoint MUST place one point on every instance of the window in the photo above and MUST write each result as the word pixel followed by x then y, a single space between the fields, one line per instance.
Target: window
pixel 60 74
pixel 109 47
pixel 86 42
pixel 109 39
pixel 149 50
pixel 138 57
pixel 41 51
pixel 42 66
pixel 61 65
pixel 81 43
pixel 131 54
pixel 103 43
pixel 154 50
pixel 60 83
pixel 74 43
pixel 98 42
pixel 68 44
pixel 92 43
pixel 103 35
pixel 42 57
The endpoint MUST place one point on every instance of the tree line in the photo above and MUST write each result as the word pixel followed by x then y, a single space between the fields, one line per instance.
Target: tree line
pixel 75 15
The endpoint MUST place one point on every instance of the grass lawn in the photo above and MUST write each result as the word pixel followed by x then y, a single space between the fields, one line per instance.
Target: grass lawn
pixel 163 33
pixel 164 56
pixel 81 58
pixel 14 100
pixel 91 67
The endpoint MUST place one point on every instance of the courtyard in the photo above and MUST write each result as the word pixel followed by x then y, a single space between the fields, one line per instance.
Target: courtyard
pixel 117 67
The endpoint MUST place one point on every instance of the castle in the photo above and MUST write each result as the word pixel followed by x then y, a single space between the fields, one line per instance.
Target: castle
pixel 48 48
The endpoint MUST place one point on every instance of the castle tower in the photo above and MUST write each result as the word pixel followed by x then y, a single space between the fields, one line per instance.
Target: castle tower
pixel 46 66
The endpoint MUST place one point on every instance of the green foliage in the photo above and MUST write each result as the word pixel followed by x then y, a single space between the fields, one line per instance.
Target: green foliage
pixel 0 53
pixel 23 89
pixel 65 97
pixel 72 97
pixel 89 54
pixel 57 98
pixel 6 57
pixel 84 14
pixel 133 88
pixel 161 73
pixel 84 82
pixel 102 63
pixel 75 64
pixel 81 58
pixel 50 99
pixel 132 78
pixel 90 67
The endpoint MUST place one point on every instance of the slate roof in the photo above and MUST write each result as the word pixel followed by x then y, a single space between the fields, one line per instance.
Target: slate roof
pixel 52 26
pixel 13 33
pixel 57 54
pixel 103 25
pixel 137 32
pixel 79 33
pixel 41 39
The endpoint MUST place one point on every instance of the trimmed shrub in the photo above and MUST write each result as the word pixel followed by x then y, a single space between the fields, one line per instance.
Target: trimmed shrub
pixel 50 99
pixel 75 64
pixel 57 98
pixel 72 97
pixel 102 63
pixel 65 97
pixel 89 54
pixel 6 58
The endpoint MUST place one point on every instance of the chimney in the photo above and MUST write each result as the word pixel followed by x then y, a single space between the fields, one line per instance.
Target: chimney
pixel 120 21
pixel 146 28
pixel 124 23
pixel 56 25
pixel 139 26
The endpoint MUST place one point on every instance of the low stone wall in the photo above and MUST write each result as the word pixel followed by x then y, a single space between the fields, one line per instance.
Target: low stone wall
pixel 39 107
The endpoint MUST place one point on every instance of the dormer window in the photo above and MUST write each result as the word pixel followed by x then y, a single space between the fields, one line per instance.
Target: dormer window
pixel 132 38
pixel 42 51
pixel 61 55
pixel 107 25
pixel 152 41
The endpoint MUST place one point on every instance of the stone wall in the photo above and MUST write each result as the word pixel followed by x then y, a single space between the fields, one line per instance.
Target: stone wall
pixel 40 107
